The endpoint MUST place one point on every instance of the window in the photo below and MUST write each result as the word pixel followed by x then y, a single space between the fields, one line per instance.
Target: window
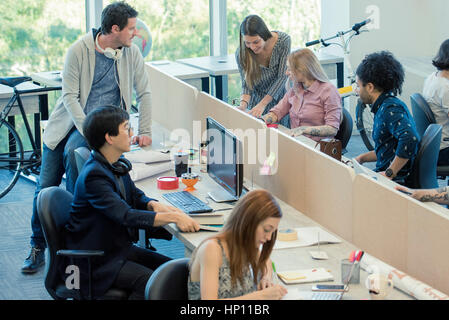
pixel 35 37
pixel 298 18
pixel 179 29
pixel 36 34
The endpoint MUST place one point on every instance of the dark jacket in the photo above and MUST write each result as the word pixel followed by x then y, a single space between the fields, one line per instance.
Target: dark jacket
pixel 100 220
pixel 394 133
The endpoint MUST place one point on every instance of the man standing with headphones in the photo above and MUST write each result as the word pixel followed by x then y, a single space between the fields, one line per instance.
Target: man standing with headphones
pixel 102 68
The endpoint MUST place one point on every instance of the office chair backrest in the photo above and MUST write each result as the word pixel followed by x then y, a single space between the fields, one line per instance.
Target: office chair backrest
pixel 424 171
pixel 81 156
pixel 422 113
pixel 169 281
pixel 53 208
pixel 345 131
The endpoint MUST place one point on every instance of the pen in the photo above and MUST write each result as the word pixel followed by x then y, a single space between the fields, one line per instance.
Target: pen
pixel 274 268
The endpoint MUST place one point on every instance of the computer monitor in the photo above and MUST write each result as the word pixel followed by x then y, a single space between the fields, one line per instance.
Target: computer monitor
pixel 224 161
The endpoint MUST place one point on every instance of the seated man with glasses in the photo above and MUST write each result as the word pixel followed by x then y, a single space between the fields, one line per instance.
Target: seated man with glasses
pixel 107 204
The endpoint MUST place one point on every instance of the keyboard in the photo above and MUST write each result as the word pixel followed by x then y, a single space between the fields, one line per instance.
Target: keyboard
pixel 318 295
pixel 187 202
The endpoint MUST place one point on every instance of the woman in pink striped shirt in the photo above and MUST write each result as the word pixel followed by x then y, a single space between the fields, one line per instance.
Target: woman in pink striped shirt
pixel 313 103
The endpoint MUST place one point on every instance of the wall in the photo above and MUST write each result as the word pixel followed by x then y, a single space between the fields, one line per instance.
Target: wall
pixel 407 28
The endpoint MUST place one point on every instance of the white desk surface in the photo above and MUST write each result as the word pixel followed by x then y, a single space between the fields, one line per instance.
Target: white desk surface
pixel 285 259
pixel 223 65
pixel 48 78
pixel 7 92
pixel 179 70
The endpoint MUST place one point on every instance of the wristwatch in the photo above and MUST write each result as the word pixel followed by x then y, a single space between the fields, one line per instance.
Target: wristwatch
pixel 389 172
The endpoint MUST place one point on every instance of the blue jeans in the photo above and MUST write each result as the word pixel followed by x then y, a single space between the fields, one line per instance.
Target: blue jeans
pixel 54 164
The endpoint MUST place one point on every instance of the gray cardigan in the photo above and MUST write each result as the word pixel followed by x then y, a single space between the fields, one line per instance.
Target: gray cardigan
pixel 77 78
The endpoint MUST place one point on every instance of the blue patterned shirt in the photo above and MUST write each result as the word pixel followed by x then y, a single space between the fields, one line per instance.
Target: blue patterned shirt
pixel 394 133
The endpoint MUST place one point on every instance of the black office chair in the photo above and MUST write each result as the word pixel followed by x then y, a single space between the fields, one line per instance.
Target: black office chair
pixel 423 173
pixel 53 208
pixel 169 281
pixel 81 156
pixel 424 116
pixel 345 131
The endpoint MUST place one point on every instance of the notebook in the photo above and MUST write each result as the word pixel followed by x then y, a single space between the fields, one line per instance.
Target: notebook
pixel 305 276
pixel 208 218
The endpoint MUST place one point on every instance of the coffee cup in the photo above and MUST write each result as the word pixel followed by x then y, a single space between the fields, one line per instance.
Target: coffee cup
pixel 379 286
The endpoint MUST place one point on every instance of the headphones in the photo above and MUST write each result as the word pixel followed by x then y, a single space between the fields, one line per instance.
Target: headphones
pixel 110 53
pixel 119 168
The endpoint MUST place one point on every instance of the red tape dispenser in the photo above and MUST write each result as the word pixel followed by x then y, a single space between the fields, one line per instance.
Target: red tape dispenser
pixel 167 183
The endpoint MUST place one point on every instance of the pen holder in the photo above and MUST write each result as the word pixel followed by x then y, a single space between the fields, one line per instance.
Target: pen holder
pixel 346 267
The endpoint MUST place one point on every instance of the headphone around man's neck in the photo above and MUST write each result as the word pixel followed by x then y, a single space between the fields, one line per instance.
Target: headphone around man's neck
pixel 110 53
pixel 119 168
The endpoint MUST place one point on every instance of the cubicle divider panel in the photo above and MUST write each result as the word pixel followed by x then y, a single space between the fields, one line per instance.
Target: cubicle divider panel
pixel 380 221
pixel 250 131
pixel 286 178
pixel 328 192
pixel 428 239
pixel 173 101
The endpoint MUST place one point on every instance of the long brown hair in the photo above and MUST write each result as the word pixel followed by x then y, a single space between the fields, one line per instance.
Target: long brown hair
pixel 240 230
pixel 252 25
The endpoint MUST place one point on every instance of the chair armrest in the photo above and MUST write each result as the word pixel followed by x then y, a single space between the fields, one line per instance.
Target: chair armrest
pixel 80 253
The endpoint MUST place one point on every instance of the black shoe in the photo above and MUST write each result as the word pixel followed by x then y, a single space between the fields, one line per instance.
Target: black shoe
pixel 35 260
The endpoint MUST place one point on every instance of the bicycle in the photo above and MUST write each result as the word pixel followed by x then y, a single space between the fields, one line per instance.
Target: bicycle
pixel 364 117
pixel 14 160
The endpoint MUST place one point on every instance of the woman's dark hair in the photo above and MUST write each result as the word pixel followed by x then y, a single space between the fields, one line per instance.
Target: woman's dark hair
pixel 116 13
pixel 383 71
pixel 252 25
pixel 441 61
pixel 100 121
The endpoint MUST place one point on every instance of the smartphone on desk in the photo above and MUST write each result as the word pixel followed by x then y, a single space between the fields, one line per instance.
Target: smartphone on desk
pixel 330 287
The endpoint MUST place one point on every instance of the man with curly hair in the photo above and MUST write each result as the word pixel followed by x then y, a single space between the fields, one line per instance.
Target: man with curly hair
pixel 379 79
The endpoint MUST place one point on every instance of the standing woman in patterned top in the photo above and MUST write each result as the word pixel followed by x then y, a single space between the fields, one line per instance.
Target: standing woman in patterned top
pixel 262 62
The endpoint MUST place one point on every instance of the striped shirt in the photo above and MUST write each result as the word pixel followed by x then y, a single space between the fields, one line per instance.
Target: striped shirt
pixel 272 79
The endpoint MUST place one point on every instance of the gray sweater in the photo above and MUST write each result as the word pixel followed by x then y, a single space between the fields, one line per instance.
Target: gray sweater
pixel 77 80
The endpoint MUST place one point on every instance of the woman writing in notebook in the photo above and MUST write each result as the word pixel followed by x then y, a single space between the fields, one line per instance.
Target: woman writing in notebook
pixel 261 60
pixel 227 266
pixel 313 103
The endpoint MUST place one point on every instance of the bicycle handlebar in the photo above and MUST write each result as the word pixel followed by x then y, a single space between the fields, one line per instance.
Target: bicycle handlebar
pixel 356 27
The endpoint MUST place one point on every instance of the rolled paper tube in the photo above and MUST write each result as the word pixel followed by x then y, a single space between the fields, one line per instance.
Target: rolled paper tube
pixel 287 235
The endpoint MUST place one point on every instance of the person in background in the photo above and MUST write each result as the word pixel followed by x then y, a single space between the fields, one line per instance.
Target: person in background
pixel 436 93
pixel 379 80
pixel 107 206
pixel 235 264
pixel 313 103
pixel 102 68
pixel 261 60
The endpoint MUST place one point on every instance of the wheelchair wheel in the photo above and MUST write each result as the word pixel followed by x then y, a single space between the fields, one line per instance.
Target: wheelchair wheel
pixel 11 157
pixel 365 122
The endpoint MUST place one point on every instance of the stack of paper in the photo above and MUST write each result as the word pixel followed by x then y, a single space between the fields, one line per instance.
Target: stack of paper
pixel 147 163
pixel 308 236
pixel 305 276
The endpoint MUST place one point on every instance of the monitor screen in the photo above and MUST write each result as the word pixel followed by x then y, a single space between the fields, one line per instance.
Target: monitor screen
pixel 224 164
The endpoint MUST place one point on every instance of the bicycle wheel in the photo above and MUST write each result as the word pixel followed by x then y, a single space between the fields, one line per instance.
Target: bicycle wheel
pixel 365 122
pixel 11 157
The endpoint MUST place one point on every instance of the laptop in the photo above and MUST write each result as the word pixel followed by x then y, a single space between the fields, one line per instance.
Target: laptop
pixel 359 169
pixel 319 295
